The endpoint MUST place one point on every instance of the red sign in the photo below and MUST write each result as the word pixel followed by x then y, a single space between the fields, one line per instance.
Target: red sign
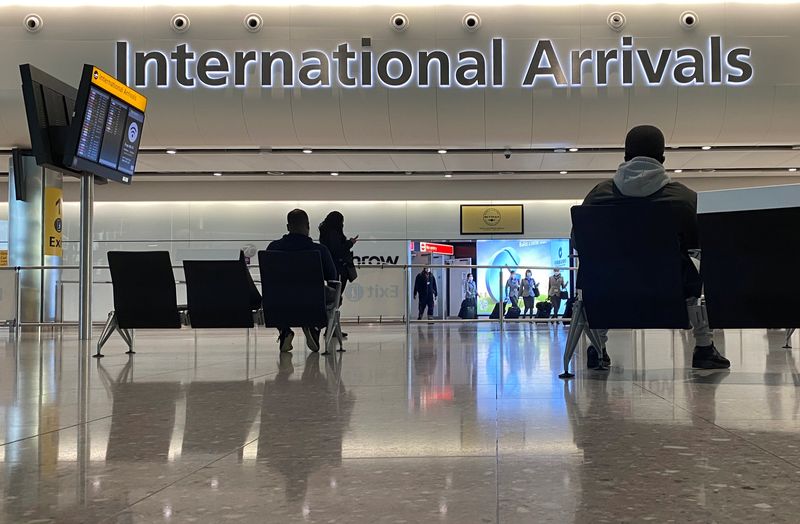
pixel 442 249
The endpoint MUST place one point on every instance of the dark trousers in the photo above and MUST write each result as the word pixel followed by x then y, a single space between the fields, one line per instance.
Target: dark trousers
pixel 529 306
pixel 425 302
pixel 556 301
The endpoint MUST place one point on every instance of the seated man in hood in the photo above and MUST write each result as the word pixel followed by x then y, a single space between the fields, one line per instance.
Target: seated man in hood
pixel 642 178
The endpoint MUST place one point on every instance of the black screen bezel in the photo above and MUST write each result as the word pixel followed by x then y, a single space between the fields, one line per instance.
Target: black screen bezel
pixel 71 157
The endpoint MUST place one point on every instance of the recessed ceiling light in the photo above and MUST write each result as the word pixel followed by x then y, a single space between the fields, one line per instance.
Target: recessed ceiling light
pixel 275 173
pixel 563 172
pixel 334 173
pixel 448 175
pixel 573 149
pixel 792 169
pixel 308 151
pixel 506 173
pixel 705 148
pixel 217 174
pixel 409 172
pixel 171 151
pixel 679 170
pixel 442 151
pixel 560 150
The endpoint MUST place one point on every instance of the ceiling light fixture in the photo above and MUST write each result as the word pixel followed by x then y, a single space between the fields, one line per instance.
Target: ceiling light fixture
pixel 308 151
pixel 573 149
pixel 563 172
pixel 171 151
pixel 792 169
pixel 217 174
pixel 442 151
pixel 705 148
pixel 334 173
pixel 679 170
pixel 560 150
pixel 448 175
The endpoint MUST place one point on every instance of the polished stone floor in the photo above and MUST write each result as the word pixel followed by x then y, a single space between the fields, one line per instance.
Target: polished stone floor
pixel 450 423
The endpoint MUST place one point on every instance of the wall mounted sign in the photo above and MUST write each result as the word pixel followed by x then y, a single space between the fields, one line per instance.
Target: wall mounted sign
pixel 506 219
pixel 53 200
pixel 349 66
pixel 441 249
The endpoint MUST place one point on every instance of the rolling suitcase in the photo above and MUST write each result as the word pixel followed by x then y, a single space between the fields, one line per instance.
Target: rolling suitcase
pixel 513 311
pixel 496 311
pixel 468 310
pixel 543 309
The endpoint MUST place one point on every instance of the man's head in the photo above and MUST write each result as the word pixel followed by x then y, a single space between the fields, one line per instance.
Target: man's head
pixel 297 222
pixel 528 274
pixel 426 270
pixel 556 271
pixel 645 141
pixel 469 276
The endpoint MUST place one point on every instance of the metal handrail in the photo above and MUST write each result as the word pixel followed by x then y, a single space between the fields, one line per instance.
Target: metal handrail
pixel 360 266
pixel 407 268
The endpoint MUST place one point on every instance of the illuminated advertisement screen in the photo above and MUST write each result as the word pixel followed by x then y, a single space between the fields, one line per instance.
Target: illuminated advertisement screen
pixel 519 255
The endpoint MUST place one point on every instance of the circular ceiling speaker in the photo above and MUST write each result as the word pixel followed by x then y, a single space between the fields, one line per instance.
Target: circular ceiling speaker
pixel 180 23
pixel 33 23
pixel 253 22
pixel 471 21
pixel 689 19
pixel 616 21
pixel 399 22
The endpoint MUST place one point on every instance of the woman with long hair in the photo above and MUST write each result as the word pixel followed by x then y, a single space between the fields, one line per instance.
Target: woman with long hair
pixel 331 235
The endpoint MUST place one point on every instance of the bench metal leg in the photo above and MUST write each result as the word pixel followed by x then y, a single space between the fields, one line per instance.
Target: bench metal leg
pixel 339 336
pixel 787 343
pixel 127 336
pixel 576 328
pixel 329 333
pixel 113 325
pixel 108 329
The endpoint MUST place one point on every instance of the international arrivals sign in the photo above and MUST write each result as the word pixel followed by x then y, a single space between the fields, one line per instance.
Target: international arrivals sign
pixel 350 66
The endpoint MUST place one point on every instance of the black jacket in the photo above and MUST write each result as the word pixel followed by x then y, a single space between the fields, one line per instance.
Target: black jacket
pixel 297 242
pixel 338 245
pixel 421 287
pixel 683 202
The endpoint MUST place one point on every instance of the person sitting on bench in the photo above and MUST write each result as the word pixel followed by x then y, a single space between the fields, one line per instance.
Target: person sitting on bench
pixel 298 239
pixel 643 179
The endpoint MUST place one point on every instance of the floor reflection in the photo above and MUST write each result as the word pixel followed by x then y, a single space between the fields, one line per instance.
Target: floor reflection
pixel 446 423
pixel 303 421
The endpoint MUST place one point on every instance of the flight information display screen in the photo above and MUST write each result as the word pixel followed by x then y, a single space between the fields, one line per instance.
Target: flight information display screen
pixel 107 128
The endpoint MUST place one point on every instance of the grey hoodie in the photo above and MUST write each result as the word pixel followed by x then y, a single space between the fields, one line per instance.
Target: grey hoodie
pixel 640 177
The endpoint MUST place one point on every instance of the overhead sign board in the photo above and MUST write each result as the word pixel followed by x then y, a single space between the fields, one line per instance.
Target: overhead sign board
pixel 501 219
